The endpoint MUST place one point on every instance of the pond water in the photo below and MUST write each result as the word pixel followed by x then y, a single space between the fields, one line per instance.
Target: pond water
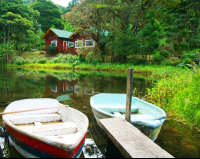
pixel 75 89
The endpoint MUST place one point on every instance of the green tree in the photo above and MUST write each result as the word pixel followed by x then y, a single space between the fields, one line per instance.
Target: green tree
pixel 50 14
pixel 150 33
pixel 71 5
pixel 17 23
pixel 68 27
pixel 90 17
pixel 182 23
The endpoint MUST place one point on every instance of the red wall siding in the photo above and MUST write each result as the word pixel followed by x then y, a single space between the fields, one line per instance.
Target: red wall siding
pixel 59 48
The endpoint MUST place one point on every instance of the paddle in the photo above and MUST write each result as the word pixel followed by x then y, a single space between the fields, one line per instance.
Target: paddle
pixel 21 111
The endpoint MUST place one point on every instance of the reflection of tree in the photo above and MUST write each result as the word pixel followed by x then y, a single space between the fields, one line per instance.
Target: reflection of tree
pixel 14 87
pixel 69 76
pixel 51 81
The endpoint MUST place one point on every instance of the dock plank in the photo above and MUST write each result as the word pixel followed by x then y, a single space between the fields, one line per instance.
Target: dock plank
pixel 130 141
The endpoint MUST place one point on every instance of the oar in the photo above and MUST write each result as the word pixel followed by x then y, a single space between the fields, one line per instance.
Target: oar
pixel 21 111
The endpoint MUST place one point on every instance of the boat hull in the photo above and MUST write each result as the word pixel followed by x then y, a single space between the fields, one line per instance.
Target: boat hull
pixel 33 148
pixel 151 132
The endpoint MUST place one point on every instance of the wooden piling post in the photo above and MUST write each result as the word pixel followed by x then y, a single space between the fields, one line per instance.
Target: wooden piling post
pixel 129 94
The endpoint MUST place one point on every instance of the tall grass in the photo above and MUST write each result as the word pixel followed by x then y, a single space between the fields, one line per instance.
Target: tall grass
pixel 179 95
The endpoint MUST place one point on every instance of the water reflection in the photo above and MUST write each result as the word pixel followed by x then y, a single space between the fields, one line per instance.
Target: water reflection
pixel 75 90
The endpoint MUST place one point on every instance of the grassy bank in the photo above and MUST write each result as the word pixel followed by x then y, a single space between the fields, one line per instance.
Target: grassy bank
pixel 154 70
pixel 179 95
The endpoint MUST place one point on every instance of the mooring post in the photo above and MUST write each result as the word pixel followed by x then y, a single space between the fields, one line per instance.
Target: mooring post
pixel 129 94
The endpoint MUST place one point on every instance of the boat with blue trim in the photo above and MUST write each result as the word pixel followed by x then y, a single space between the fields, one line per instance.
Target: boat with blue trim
pixel 148 118
pixel 55 131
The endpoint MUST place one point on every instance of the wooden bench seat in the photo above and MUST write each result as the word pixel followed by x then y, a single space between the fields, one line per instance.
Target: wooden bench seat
pixel 28 119
pixel 52 130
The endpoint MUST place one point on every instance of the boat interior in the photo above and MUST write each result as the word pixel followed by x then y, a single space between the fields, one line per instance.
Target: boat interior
pixel 62 126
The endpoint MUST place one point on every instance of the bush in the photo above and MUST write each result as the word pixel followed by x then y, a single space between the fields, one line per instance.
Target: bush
pixel 81 57
pixel 84 50
pixel 165 53
pixel 35 60
pixel 90 56
pixel 191 56
pixel 55 60
pixel 19 60
pixel 172 63
pixel 52 49
pixel 66 59
pixel 167 47
pixel 42 60
pixel 158 58
pixel 138 61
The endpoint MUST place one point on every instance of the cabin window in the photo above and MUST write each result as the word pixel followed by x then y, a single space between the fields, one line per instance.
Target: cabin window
pixel 70 44
pixel 89 43
pixel 54 88
pixel 78 44
pixel 54 43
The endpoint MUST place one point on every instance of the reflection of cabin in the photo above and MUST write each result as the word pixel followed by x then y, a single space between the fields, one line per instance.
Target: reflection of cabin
pixel 59 90
pixel 66 41
pixel 64 90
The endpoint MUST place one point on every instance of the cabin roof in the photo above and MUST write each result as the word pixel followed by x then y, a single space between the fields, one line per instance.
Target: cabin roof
pixel 59 33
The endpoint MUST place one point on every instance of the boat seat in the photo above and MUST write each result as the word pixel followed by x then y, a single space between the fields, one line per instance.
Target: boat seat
pixel 52 130
pixel 119 109
pixel 28 119
pixel 70 139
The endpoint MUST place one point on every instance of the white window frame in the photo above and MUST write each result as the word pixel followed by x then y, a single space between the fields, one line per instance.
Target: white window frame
pixel 54 89
pixel 89 40
pixel 70 42
pixel 64 45
pixel 55 42
pixel 77 42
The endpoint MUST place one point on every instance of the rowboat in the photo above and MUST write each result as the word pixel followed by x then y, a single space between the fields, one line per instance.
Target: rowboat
pixel 37 131
pixel 147 117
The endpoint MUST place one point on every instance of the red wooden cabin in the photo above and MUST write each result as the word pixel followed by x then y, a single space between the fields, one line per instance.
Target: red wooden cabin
pixel 66 41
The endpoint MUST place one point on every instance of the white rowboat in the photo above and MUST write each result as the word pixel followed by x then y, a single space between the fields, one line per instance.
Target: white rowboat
pixel 36 131
pixel 145 116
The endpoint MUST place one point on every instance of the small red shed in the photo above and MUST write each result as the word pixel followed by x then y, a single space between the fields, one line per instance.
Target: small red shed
pixel 66 41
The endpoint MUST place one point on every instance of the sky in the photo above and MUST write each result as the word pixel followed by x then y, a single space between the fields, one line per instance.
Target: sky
pixel 62 2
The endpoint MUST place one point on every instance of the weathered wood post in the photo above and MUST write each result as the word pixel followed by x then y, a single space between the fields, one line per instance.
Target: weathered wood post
pixel 129 94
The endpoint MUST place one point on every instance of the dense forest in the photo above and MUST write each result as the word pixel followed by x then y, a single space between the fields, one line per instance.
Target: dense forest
pixel 136 27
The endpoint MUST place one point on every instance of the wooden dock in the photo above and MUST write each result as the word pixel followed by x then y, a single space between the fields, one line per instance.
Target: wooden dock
pixel 130 141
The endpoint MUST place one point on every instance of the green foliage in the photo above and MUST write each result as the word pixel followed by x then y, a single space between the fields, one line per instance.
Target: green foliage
pixel 42 60
pixel 166 46
pixel 83 51
pixel 71 5
pixel 3 51
pixel 158 57
pixel 53 26
pixel 172 63
pixel 52 49
pixel 19 61
pixel 65 59
pixel 90 57
pixel 81 57
pixel 138 61
pixel 184 45
pixel 179 95
pixel 164 53
pixel 191 60
pixel 68 27
pixel 50 14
